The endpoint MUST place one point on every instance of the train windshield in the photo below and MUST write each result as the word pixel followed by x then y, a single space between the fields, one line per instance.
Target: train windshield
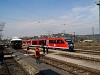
pixel 69 41
pixel 17 42
pixel 20 42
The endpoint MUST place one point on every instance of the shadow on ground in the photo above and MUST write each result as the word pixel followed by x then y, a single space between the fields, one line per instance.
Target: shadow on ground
pixel 47 72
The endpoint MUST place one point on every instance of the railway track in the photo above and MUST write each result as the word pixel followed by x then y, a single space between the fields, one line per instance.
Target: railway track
pixel 10 66
pixel 72 68
pixel 78 57
pixel 4 70
pixel 91 52
pixel 14 68
pixel 69 67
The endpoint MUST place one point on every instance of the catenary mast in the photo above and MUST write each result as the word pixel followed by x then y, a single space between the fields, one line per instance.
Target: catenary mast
pixel 99 15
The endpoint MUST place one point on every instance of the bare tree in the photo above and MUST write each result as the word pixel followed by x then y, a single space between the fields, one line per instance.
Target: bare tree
pixel 2 24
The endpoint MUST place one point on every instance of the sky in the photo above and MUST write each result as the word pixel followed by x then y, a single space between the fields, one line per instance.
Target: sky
pixel 41 17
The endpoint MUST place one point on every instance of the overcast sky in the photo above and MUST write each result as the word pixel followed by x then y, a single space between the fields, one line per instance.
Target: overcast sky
pixel 38 17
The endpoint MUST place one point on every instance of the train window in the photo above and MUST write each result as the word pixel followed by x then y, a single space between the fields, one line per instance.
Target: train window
pixel 34 42
pixel 69 41
pixel 16 41
pixel 42 42
pixel 52 41
pixel 60 42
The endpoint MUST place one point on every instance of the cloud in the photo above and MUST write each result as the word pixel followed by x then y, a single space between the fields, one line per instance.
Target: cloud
pixel 78 19
pixel 82 18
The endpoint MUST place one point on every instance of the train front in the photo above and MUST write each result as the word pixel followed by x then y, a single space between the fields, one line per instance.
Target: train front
pixel 70 44
pixel 16 43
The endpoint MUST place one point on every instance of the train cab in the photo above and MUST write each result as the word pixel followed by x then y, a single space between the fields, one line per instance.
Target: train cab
pixel 70 44
pixel 16 43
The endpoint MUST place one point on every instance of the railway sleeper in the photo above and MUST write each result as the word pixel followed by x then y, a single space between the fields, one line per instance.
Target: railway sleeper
pixel 72 68
pixel 79 57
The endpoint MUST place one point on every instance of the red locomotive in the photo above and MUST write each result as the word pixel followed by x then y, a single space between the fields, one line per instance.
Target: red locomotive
pixel 56 43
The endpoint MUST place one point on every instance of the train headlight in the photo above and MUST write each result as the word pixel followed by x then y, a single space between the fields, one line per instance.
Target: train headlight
pixel 71 45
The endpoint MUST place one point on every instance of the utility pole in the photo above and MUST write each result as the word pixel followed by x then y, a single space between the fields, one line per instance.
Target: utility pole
pixel 49 32
pixel 1 29
pixel 74 38
pixel 64 29
pixel 98 3
pixel 93 32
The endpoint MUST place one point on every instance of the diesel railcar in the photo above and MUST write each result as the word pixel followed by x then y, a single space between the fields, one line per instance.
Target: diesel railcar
pixel 55 43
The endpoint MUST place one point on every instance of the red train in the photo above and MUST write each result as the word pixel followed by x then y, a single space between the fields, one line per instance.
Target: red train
pixel 56 43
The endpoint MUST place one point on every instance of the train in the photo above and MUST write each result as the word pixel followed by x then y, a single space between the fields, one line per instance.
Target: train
pixel 55 43
pixel 16 43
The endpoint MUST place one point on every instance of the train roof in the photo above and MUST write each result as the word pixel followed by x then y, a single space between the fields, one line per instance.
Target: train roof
pixel 49 38
pixel 68 38
pixel 16 39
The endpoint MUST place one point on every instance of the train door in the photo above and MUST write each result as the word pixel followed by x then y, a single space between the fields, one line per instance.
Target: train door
pixel 47 43
pixel 34 43
pixel 42 42
pixel 29 43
